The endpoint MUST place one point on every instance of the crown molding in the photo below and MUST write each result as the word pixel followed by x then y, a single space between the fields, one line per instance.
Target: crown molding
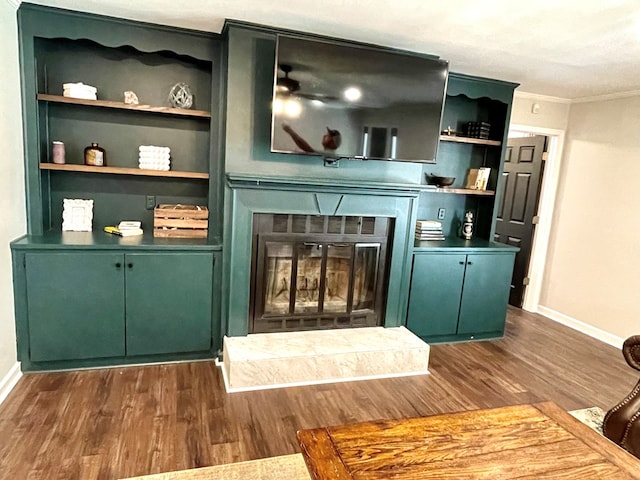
pixel 14 3
pixel 541 98
pixel 610 96
pixel 595 98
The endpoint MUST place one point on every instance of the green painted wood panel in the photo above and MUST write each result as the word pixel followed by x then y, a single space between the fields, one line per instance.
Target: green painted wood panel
pixel 168 302
pixel 434 298
pixel 75 305
pixel 485 294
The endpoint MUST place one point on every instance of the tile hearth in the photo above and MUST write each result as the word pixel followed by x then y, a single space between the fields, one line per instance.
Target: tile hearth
pixel 272 360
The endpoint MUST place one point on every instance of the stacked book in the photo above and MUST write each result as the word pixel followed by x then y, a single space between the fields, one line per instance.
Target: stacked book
pixel 125 229
pixel 429 230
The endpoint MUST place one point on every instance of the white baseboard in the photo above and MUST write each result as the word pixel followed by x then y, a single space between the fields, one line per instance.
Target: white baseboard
pixel 582 327
pixel 9 381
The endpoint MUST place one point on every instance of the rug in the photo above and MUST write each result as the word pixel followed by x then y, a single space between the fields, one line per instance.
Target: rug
pixel 592 417
pixel 286 467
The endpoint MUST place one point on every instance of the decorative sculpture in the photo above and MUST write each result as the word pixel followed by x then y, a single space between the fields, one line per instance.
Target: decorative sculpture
pixel 180 96
pixel 130 98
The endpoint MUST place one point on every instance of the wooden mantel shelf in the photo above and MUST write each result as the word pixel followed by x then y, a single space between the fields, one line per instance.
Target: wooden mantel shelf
pixel 124 106
pixel 68 167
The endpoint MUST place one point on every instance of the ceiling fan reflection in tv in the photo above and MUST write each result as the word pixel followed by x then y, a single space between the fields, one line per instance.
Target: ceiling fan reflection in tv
pixel 287 86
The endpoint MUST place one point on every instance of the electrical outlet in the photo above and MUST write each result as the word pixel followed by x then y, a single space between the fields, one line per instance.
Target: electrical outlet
pixel 441 212
pixel 151 202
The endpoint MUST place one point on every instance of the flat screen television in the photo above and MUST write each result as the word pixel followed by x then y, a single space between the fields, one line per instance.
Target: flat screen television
pixel 338 100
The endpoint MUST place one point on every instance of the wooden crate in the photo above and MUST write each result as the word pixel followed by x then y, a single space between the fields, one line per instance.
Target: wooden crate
pixel 180 221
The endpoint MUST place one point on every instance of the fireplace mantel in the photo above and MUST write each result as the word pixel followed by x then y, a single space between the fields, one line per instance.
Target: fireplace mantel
pixel 246 195
pixel 241 180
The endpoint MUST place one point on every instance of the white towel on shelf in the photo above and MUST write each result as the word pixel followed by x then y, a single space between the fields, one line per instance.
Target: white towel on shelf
pixel 152 157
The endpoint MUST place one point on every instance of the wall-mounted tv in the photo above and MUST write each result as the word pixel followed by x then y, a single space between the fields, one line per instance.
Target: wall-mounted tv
pixel 338 100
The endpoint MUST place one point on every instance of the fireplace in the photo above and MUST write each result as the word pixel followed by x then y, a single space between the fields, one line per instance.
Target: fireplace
pixel 313 272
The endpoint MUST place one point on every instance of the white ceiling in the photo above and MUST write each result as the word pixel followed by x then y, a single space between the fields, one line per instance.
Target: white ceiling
pixel 562 48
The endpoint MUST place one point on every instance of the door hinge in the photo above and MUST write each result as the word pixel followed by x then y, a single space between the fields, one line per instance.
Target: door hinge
pixel 545 156
pixel 525 281
pixel 535 220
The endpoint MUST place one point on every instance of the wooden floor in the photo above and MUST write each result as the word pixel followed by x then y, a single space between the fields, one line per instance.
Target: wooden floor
pixel 120 422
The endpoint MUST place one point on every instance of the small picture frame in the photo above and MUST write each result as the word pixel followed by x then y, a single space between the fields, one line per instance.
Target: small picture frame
pixel 77 215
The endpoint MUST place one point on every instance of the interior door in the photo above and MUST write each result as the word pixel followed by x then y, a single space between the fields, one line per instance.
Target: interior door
pixel 522 177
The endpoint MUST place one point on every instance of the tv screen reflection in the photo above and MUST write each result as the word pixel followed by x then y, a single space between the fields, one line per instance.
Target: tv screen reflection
pixel 344 101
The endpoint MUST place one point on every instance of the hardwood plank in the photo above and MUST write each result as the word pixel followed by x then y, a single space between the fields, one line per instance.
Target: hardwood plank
pixel 123 422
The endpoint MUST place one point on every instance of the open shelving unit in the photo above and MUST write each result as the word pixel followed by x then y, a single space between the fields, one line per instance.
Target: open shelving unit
pixel 118 56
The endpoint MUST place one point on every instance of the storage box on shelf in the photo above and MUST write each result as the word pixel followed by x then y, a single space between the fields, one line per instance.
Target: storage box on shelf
pixel 180 221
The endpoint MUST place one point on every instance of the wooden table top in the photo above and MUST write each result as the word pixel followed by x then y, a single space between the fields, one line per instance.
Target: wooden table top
pixel 523 442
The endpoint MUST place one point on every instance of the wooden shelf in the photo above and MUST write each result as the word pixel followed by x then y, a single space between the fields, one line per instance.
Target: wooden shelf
pixel 124 106
pixel 475 141
pixel 466 191
pixel 68 167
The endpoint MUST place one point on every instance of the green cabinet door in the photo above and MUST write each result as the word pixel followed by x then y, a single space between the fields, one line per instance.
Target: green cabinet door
pixel 75 304
pixel 485 294
pixel 168 302
pixel 434 297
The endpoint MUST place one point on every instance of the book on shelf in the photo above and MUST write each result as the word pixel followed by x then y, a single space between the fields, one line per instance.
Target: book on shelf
pixel 478 178
pixel 129 225
pixel 436 237
pixel 126 232
pixel 428 224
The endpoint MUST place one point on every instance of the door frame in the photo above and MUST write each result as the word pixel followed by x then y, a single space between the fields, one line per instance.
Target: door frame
pixel 546 208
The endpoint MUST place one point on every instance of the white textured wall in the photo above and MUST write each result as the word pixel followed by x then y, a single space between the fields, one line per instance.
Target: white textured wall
pixel 552 113
pixel 593 262
pixel 12 198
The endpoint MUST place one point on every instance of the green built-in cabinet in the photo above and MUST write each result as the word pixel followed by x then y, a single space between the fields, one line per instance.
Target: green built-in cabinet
pixel 113 301
pixel 89 298
pixel 460 294
pixel 109 304
pixel 460 288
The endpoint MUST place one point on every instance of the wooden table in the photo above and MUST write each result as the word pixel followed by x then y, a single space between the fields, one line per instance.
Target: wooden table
pixel 523 442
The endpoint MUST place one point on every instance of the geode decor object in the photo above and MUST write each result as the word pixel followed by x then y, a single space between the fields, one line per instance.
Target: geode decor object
pixel 180 96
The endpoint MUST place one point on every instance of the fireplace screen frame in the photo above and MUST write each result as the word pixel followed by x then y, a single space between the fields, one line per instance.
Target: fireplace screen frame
pixel 356 234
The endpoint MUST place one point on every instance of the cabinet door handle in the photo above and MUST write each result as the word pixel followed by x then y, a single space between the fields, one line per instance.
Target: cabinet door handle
pixel 118 264
pixel 461 262
pixel 469 263
pixel 130 265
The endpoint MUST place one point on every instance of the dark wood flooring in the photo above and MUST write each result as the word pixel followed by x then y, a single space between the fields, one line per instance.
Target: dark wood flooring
pixel 120 422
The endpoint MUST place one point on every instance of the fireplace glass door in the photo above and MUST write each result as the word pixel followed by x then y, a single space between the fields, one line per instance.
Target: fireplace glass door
pixel 303 284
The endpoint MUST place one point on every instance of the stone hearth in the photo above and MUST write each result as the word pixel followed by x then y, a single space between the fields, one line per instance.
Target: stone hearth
pixel 272 360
